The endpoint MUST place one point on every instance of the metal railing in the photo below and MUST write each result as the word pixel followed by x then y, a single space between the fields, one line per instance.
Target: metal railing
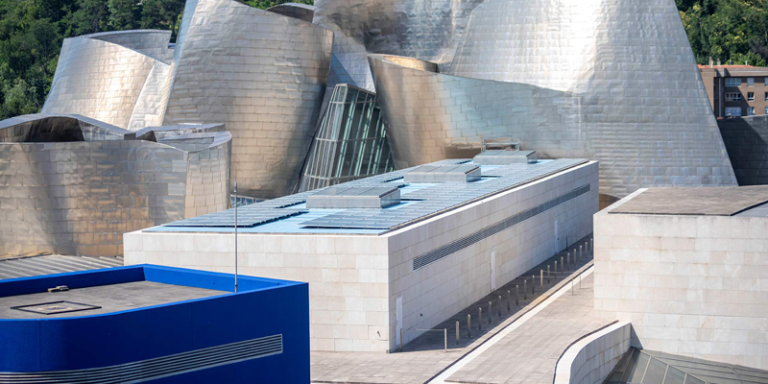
pixel 580 254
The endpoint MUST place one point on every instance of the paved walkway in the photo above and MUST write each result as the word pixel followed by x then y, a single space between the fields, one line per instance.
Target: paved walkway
pixel 424 358
pixel 529 354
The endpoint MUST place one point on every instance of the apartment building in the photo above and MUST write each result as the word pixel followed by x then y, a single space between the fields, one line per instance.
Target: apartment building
pixel 736 90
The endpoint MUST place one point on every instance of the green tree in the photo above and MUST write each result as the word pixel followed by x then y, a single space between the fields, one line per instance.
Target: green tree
pixel 162 14
pixel 264 4
pixel 91 16
pixel 123 14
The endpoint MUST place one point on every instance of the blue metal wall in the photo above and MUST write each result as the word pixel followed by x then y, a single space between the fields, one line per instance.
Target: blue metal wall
pixel 263 307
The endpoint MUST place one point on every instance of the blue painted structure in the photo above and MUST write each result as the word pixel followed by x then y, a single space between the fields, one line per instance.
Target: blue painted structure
pixel 261 308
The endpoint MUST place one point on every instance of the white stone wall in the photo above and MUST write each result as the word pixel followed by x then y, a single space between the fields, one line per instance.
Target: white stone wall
pixel 354 280
pixel 691 285
pixel 591 360
pixel 347 276
pixel 434 293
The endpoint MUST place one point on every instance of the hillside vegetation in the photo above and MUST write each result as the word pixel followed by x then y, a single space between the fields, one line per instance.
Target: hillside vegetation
pixel 31 32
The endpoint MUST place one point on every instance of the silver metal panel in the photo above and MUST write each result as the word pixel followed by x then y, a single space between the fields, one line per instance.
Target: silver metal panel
pixel 444 174
pixel 158 368
pixel 644 142
pixel 643 110
pixel 351 142
pixel 346 197
pixel 426 29
pixel 46 265
pixel 260 73
pixel 73 185
pixel 102 76
pixel 504 157
pixel 296 10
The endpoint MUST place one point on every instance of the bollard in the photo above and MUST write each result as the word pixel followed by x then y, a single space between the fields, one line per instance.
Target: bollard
pixel 525 289
pixel 499 306
pixel 445 339
pixel 517 295
pixel 401 339
pixel 541 280
pixel 533 285
pixel 458 335
pixel 480 318
pixel 581 254
pixel 562 265
pixel 555 268
pixel 509 298
pixel 568 262
pixel 469 326
pixel 490 313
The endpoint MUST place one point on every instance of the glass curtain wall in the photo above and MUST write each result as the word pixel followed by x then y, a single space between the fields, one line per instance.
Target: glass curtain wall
pixel 351 142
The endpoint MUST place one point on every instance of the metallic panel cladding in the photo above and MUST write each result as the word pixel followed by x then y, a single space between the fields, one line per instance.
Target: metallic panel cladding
pixel 425 29
pixel 614 81
pixel 104 75
pixel 260 73
pixel 68 192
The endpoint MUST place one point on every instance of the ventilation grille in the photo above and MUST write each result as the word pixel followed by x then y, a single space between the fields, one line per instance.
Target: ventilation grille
pixel 160 367
pixel 465 242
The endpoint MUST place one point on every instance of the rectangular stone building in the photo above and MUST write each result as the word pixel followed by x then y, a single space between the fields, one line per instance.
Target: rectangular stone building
pixel 688 267
pixel 392 256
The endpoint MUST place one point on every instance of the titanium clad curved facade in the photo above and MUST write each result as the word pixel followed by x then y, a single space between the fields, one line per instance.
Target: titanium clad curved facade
pixel 436 116
pixel 297 11
pixel 102 76
pixel 424 29
pixel 73 185
pixel 260 73
pixel 627 92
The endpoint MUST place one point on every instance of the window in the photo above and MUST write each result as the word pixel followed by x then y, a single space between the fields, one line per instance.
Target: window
pixel 766 96
pixel 733 96
pixel 733 82
pixel 751 111
pixel 766 110
pixel 751 96
pixel 732 111
pixel 751 81
pixel 766 81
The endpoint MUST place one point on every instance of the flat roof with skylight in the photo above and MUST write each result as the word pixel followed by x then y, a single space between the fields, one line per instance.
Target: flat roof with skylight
pixel 371 207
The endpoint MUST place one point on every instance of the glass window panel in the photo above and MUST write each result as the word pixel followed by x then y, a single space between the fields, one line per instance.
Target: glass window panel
pixel 637 366
pixel 693 380
pixel 656 372
pixel 674 376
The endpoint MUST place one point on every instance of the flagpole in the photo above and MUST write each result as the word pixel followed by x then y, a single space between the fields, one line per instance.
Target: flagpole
pixel 236 236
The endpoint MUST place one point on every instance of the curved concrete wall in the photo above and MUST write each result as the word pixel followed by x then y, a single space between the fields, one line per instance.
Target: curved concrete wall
pixel 102 76
pixel 260 73
pixel 79 197
pixel 591 359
